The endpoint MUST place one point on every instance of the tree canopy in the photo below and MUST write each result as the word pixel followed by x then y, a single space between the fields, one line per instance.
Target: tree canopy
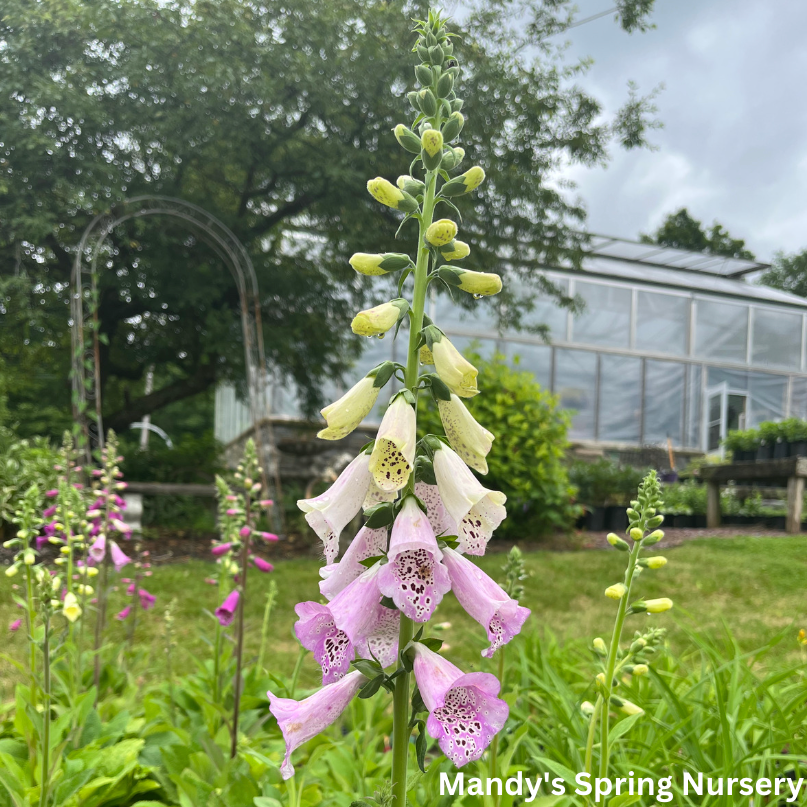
pixel 682 231
pixel 270 115
pixel 788 272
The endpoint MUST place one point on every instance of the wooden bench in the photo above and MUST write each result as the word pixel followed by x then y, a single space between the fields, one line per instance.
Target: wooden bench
pixel 791 471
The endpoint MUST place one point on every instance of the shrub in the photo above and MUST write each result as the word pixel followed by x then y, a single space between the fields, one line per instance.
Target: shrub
pixel 526 461
pixel 604 483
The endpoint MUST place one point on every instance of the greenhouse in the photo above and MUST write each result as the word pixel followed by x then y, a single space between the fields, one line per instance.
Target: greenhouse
pixel 670 346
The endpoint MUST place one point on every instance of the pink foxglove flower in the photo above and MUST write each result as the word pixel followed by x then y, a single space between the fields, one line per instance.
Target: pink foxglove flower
pixel 221 549
pixel 485 601
pixel 394 451
pixel 119 557
pixel 368 543
pixel 414 577
pixel 330 512
pixel 120 526
pixel 436 512
pixel 50 511
pixel 262 564
pixel 98 549
pixel 269 536
pixel 244 532
pixel 121 615
pixel 15 625
pixel 146 600
pixel 464 710
pixel 51 494
pixel 470 440
pixel 226 611
pixel 299 721
pixel 382 637
pixel 477 510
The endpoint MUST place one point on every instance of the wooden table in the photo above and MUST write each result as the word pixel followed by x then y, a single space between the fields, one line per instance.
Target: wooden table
pixel 791 471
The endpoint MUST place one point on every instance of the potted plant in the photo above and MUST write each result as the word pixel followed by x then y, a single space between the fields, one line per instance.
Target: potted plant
pixel 742 444
pixel 795 431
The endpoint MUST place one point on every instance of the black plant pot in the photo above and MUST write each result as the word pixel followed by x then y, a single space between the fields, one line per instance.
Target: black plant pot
pixel 780 450
pixel 683 521
pixel 699 522
pixel 775 522
pixel 798 449
pixel 581 521
pixel 595 519
pixel 764 452
pixel 616 519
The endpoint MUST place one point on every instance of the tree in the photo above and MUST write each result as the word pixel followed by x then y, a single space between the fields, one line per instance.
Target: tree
pixel 270 115
pixel 682 231
pixel 788 273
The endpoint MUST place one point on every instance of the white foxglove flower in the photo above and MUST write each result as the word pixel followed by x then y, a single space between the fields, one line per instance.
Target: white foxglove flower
pixel 470 440
pixel 330 512
pixel 477 510
pixel 394 451
pixel 344 415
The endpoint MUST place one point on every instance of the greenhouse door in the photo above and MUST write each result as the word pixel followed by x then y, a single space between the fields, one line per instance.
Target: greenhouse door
pixel 726 410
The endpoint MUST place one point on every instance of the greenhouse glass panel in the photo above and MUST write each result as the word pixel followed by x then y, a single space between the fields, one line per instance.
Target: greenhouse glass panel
pixel 537 359
pixel 798 399
pixel 662 322
pixel 606 318
pixel 448 314
pixel 576 385
pixel 777 338
pixel 664 389
pixel 721 331
pixel 620 399
pixel 694 410
pixel 768 394
pixel 375 351
pixel 546 311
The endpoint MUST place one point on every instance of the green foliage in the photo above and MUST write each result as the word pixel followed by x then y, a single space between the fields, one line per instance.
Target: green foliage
pixel 684 499
pixel 791 430
pixel 788 273
pixel 682 231
pixel 526 461
pixel 23 463
pixel 604 482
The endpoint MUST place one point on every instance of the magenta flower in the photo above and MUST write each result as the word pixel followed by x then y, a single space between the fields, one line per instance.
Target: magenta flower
pixel 98 549
pixel 226 611
pixel 414 577
pixel 41 540
pixel 262 564
pixel 485 601
pixel 15 625
pixel 221 549
pixel 269 536
pixel 330 512
pixel 52 493
pixel 146 600
pixel 49 511
pixel 119 557
pixel 438 516
pixel 299 721
pixel 232 511
pixel 368 543
pixel 266 502
pixel 245 532
pixel 121 615
pixel 131 588
pixel 464 710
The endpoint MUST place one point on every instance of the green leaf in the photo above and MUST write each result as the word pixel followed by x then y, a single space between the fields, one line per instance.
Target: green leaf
pixel 624 800
pixel 558 769
pixel 624 725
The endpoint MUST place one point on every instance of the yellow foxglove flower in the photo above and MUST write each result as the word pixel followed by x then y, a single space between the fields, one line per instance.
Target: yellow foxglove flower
pixel 70 607
pixel 616 592
pixel 656 562
pixel 12 570
pixel 637 534
pixel 377 321
pixel 471 441
pixel 28 557
pixel 366 263
pixel 432 142
pixel 456 371
pixel 640 669
pixel 464 183
pixel 631 708
pixel 426 356
pixel 393 454
pixel 658 606
pixel 382 190
pixel 480 284
pixel 441 232
pixel 344 415
pixel 455 251
pixel 599 647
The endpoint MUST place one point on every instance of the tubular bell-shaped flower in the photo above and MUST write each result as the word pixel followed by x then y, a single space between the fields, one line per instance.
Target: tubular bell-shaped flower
pixel 98 549
pixel 485 601
pixel 394 450
pixel 377 321
pixel 414 577
pixel 328 513
pixel 226 611
pixel 119 557
pixel 477 510
pixel 368 543
pixel 464 710
pixel 438 516
pixel 344 415
pixel 454 369
pixel 471 441
pixel 299 721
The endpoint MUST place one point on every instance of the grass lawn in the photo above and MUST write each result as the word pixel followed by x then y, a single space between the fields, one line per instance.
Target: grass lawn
pixel 755 586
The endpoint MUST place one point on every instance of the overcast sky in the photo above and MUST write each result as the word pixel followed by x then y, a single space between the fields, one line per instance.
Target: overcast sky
pixel 734 143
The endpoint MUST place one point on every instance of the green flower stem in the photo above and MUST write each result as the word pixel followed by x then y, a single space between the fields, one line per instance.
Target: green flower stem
pixel 295 676
pixel 592 731
pixel 610 669
pixel 44 784
pixel 239 648
pixel 494 746
pixel 31 619
pixel 400 708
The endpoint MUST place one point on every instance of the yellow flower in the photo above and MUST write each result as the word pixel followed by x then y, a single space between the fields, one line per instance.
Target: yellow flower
pixel 366 263
pixel 636 534
pixel 432 142
pixel 640 669
pixel 802 638
pixel 12 570
pixel 599 646
pixel 631 708
pixel 465 183
pixel 376 321
pixel 426 356
pixel 28 557
pixel 657 562
pixel 393 456
pixel 382 190
pixel 457 252
pixel 480 283
pixel 344 415
pixel 616 592
pixel 456 371
pixel 441 232
pixel 474 177
pixel 470 440
pixel 658 606
pixel 70 608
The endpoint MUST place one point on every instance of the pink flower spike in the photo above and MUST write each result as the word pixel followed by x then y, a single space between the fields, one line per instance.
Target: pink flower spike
pixel 299 721
pixel 232 511
pixel 131 589
pixel 146 600
pixel 121 615
pixel 262 564
pixel 368 543
pixel 465 712
pixel 119 557
pixel 244 532
pixel 98 549
pixel 414 577
pixel 266 502
pixel 226 611
pixel 15 625
pixel 50 511
pixel 221 549
pixel 330 512
pixel 52 494
pixel 485 601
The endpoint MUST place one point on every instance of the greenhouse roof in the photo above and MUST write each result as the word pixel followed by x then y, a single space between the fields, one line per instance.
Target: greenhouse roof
pixel 679 268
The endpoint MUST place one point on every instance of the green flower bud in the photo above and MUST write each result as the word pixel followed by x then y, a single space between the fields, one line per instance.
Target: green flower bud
pixel 372 265
pixel 629 708
pixel 453 126
pixel 424 75
pixel 617 542
pixel 384 191
pixel 587 708
pixel 432 153
pixel 422 52
pixel 456 104
pixel 654 522
pixel 599 647
pixel 616 592
pixel 12 570
pixel 411 185
pixel 658 606
pixel 653 538
pixel 465 183
pixel 436 55
pixel 428 103
pixel 445 85
pixel 407 139
pixel 636 533
pixel 28 557
pixel 480 284
pixel 414 102
pixel 640 669
pixel 455 250
pixel 654 563
pixel 441 232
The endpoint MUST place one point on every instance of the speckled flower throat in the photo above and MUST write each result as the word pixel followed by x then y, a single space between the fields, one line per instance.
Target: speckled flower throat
pixel 424 509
